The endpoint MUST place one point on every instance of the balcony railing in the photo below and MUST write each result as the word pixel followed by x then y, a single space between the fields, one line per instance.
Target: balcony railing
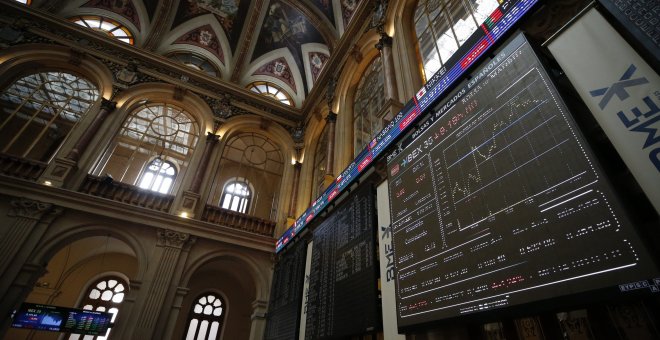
pixel 107 188
pixel 121 192
pixel 20 168
pixel 232 219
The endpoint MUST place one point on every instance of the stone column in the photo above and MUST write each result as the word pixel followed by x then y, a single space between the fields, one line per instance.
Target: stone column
pixel 171 244
pixel 393 105
pixel 31 219
pixel 211 141
pixel 331 120
pixel 123 321
pixel 107 107
pixel 180 294
pixel 60 169
pixel 329 177
pixel 27 213
pixel 258 327
pixel 294 194
pixel 189 203
pixel 384 45
pixel 18 291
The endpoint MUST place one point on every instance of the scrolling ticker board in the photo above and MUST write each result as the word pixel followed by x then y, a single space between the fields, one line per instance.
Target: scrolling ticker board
pixel 497 201
pixel 490 32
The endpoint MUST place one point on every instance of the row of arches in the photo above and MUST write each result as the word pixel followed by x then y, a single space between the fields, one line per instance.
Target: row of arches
pixel 111 267
pixel 151 139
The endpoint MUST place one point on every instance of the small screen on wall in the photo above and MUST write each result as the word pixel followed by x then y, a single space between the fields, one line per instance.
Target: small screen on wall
pixel 61 319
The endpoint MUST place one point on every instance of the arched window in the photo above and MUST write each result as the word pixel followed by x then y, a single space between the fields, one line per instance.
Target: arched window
pixel 104 295
pixel 270 90
pixel 206 317
pixel 158 176
pixel 154 144
pixel 195 61
pixel 368 104
pixel 39 111
pixel 255 162
pixel 236 196
pixel 320 160
pixel 442 26
pixel 106 26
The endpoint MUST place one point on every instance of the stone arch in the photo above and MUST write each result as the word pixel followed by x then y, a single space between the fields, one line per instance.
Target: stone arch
pixel 132 99
pixel 134 96
pixel 168 43
pixel 243 124
pixel 314 130
pixel 343 103
pixel 227 310
pixel 399 25
pixel 32 58
pixel 75 8
pixel 245 286
pixel 297 94
pixel 253 268
pixel 50 246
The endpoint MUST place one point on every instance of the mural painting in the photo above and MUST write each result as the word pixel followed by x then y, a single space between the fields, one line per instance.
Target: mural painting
pixel 230 14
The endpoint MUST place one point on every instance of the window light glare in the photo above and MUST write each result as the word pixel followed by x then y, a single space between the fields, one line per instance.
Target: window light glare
pixel 48 183
pixel 184 214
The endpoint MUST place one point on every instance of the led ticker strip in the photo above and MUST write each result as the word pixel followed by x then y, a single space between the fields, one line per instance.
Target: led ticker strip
pixel 491 30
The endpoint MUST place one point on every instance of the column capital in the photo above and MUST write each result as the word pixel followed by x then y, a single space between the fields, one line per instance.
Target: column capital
pixel 384 41
pixel 27 208
pixel 330 90
pixel 259 308
pixel 171 238
pixel 108 105
pixel 212 138
pixel 331 117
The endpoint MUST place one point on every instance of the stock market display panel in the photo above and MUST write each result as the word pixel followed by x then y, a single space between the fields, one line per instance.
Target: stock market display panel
pixel 496 200
pixel 342 298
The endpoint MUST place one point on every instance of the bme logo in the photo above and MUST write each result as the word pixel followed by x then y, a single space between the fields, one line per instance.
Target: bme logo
pixel 642 118
pixel 619 88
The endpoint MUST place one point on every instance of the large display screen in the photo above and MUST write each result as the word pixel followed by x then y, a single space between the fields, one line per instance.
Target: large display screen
pixel 61 319
pixel 342 281
pixel 496 201
pixel 642 20
pixel 489 33
pixel 283 318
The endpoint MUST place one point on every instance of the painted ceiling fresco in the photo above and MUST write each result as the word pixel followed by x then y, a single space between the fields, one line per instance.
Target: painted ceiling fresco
pixel 326 7
pixel 230 13
pixel 150 5
pixel 280 43
pixel 285 27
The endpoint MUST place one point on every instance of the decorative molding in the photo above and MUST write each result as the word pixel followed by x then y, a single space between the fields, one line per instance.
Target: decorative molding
pixel 330 91
pixel 149 67
pixel 27 208
pixel 331 117
pixel 125 8
pixel 297 133
pixel 171 238
pixel 384 41
pixel 204 37
pixel 279 69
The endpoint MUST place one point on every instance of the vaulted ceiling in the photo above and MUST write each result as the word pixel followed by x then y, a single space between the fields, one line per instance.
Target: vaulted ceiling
pixel 285 43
